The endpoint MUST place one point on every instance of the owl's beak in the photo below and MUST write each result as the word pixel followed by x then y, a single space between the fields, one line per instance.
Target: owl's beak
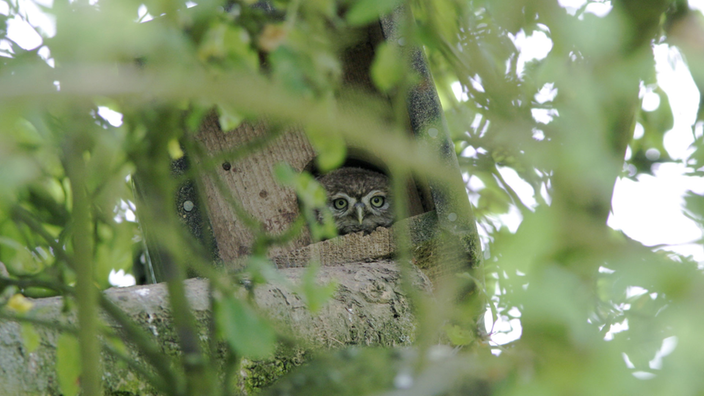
pixel 360 211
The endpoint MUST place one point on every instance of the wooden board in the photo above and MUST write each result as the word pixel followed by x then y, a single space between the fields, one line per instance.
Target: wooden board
pixel 351 248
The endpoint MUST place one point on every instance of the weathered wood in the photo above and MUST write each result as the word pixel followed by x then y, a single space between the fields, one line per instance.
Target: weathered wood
pixel 350 248
pixel 252 184
pixel 369 308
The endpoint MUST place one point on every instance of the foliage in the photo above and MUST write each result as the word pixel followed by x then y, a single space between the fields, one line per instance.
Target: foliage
pixel 586 297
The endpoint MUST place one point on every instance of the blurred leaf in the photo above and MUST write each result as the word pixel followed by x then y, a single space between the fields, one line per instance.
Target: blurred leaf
pixel 324 7
pixel 351 371
pixel 40 292
pixel 459 336
pixel 696 160
pixel 694 206
pixel 365 11
pixel 17 259
pixel 661 119
pixel 68 364
pixel 388 67
pixel 118 345
pixel 195 117
pixel 262 270
pixel 229 119
pixel 285 174
pixel 228 43
pixel 16 170
pixel 174 148
pixel 272 36
pixel 26 134
pixel 330 147
pixel 315 295
pixel 19 304
pixel 30 338
pixel 293 70
pixel 243 329
pixel 111 257
pixel 3 25
pixel 554 305
pixel 313 198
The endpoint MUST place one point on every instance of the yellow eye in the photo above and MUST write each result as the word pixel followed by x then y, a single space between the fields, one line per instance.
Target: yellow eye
pixel 339 203
pixel 377 201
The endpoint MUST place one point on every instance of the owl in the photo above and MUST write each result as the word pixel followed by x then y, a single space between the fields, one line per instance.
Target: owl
pixel 359 199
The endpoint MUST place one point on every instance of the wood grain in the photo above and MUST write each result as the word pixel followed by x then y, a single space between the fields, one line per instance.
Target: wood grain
pixel 252 184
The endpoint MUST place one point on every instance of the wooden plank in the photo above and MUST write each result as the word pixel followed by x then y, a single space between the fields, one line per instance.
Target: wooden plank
pixel 350 248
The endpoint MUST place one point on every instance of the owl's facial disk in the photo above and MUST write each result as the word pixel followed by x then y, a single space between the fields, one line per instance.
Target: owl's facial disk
pixel 345 206
pixel 359 199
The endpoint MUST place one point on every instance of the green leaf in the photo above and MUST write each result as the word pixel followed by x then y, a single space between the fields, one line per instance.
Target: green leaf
pixel 119 346
pixel 229 43
pixel 293 69
pixel 3 25
pixel 661 119
pixel 365 11
pixel 19 304
pixel 39 292
pixel 195 117
pixel 244 330
pixel 326 230
pixel 174 148
pixel 229 119
pixel 313 198
pixel 262 270
pixel 387 68
pixel 17 170
pixel 26 133
pixel 68 364
pixel 315 295
pixel 330 146
pixel 694 206
pixel 17 259
pixel 30 337
pixel 285 174
pixel 459 336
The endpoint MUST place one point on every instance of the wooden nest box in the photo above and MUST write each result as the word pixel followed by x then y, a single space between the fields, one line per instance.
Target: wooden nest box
pixel 251 182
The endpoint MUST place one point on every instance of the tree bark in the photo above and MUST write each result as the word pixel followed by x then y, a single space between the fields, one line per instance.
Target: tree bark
pixel 370 308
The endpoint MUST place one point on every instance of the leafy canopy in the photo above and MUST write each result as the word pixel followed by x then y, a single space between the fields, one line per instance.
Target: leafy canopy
pixel 599 313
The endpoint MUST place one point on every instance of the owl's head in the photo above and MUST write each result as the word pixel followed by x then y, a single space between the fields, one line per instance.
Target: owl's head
pixel 359 199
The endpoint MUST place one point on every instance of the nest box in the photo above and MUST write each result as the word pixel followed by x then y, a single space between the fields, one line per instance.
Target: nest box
pixel 251 182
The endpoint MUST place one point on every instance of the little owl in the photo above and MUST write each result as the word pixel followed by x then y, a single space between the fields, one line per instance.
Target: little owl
pixel 359 199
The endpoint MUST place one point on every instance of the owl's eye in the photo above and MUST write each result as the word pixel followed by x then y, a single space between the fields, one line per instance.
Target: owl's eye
pixel 377 201
pixel 339 203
